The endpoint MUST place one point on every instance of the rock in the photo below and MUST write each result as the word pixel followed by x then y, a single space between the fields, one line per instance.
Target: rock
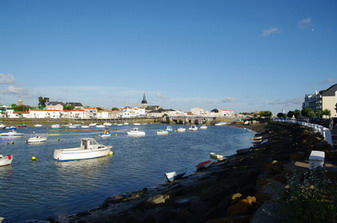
pixel 269 212
pixel 242 207
pixel 239 219
pixel 271 190
pixel 159 199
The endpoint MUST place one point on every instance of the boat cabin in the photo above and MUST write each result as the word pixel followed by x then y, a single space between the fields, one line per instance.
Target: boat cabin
pixel 87 143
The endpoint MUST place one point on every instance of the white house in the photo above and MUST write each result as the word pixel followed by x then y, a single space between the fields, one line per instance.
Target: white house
pixel 38 113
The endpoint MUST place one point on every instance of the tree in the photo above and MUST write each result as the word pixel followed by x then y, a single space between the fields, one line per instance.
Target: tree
pixel 290 114
pixel 68 107
pixel 99 109
pixel 20 108
pixel 281 115
pixel 115 109
pixel 297 113
pixel 326 112
pixel 318 114
pixel 266 114
pixel 42 102
pixel 308 112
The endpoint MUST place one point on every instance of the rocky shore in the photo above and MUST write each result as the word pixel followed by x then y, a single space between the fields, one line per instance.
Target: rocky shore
pixel 250 187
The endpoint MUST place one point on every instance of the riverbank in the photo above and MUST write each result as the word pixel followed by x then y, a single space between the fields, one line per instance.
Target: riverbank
pixel 243 188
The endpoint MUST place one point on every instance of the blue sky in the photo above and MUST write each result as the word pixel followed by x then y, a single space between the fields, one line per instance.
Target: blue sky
pixel 241 55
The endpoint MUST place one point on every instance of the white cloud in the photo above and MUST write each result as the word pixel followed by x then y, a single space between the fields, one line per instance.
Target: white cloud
pixel 6 79
pixel 305 23
pixel 287 102
pixel 11 90
pixel 227 100
pixel 268 32
pixel 161 96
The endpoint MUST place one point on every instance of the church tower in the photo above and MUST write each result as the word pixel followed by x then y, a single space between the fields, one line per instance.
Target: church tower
pixel 144 102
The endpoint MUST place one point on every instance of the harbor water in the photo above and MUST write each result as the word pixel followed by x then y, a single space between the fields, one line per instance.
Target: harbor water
pixel 45 187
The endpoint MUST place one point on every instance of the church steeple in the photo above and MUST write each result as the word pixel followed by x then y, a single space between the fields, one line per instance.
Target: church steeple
pixel 144 102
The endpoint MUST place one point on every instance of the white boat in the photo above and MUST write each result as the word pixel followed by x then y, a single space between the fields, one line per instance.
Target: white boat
pixel 84 126
pixel 107 124
pixel 120 124
pixel 162 132
pixel 100 126
pixel 37 139
pixel 6 160
pixel 174 175
pixel 56 126
pixel 105 134
pixel 136 123
pixel 89 149
pixel 38 125
pixel 125 123
pixel 9 127
pixel 193 128
pixel 71 126
pixel 215 156
pixel 169 129
pixel 12 133
pixel 181 130
pixel 2 125
pixel 135 132
pixel 203 127
pixel 92 124
pixel 221 123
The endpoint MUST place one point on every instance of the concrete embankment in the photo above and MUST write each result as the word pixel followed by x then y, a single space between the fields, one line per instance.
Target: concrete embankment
pixel 242 188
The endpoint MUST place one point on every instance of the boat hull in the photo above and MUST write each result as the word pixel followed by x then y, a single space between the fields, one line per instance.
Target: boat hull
pixel 6 160
pixel 80 154
pixel 37 140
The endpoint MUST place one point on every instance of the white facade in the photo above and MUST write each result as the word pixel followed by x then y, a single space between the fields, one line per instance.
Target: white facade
pixel 36 113
pixel 197 111
pixel 57 107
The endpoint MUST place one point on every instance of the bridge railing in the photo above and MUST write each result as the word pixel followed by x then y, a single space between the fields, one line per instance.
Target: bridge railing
pixel 325 132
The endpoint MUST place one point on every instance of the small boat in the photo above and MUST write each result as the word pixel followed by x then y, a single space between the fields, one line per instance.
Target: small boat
pixel 2 125
pixel 92 124
pixel 193 128
pixel 107 124
pixel 100 126
pixel 136 123
pixel 120 124
pixel 56 126
pixel 105 134
pixel 216 156
pixel 169 129
pixel 221 123
pixel 71 126
pixel 172 176
pixel 88 149
pixel 9 128
pixel 84 126
pixel 257 138
pixel 162 132
pixel 181 130
pixel 37 125
pixel 12 133
pixel 125 123
pixel 204 165
pixel 203 127
pixel 6 160
pixel 135 132
pixel 37 139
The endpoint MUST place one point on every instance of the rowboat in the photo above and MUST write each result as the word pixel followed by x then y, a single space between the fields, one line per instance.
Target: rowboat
pixel 136 133
pixel 204 165
pixel 175 175
pixel 6 160
pixel 88 149
pixel 216 156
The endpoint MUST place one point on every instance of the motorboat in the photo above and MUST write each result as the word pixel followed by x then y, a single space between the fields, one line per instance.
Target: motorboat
pixel 71 126
pixel 56 126
pixel 193 128
pixel 169 129
pixel 38 125
pixel 2 125
pixel 120 124
pixel 135 132
pixel 204 165
pixel 221 123
pixel 181 130
pixel 12 133
pixel 162 132
pixel 105 134
pixel 107 124
pixel 100 126
pixel 84 126
pixel 125 123
pixel 175 175
pixel 37 139
pixel 136 123
pixel 88 149
pixel 9 127
pixel 6 160
pixel 203 127
pixel 215 156
pixel 92 124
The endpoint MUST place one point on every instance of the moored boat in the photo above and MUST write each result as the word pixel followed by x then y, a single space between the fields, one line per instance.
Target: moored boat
pixel 204 165
pixel 169 129
pixel 181 130
pixel 221 123
pixel 84 126
pixel 107 124
pixel 175 175
pixel 6 160
pixel 88 149
pixel 106 133
pixel 92 124
pixel 37 139
pixel 12 133
pixel 136 133
pixel 162 132
pixel 193 128
pixel 136 123
pixel 9 127
pixel 100 126
pixel 218 157
pixel 203 127
pixel 55 126
pixel 37 125
pixel 2 125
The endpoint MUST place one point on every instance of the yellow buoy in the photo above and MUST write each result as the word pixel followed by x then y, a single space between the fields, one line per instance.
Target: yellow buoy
pixel 34 158
pixel 110 153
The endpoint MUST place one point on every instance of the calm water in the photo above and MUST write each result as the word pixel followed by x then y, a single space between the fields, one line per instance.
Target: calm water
pixel 48 188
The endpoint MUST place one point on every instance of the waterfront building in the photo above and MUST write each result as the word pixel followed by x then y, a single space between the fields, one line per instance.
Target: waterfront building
pixel 324 99
pixel 54 105
pixel 39 113
pixel 197 111
pixel 222 113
